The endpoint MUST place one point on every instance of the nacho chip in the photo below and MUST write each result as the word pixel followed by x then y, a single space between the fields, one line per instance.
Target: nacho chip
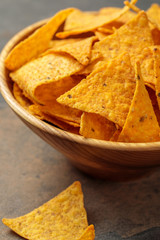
pixel 48 75
pixel 36 43
pixel 135 36
pixel 154 14
pixel 107 91
pixel 91 21
pixel 19 96
pixel 156 36
pixel 65 125
pixel 61 42
pixel 147 65
pixel 157 72
pixel 95 126
pixel 107 48
pixel 121 20
pixel 80 50
pixel 115 136
pixel 89 233
pixel 141 124
pixel 132 37
pixel 101 35
pixel 55 109
pixel 63 217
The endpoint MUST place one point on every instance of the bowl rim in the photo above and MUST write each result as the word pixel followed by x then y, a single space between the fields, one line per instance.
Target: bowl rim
pixel 24 114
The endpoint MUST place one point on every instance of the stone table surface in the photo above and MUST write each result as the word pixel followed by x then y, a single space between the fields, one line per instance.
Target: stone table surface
pixel 32 172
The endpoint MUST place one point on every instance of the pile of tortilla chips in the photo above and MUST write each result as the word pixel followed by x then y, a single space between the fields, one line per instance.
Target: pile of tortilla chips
pixel 96 74
pixel 63 217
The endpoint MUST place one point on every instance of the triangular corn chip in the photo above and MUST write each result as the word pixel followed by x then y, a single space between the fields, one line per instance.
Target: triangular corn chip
pixel 80 50
pixel 55 109
pixel 89 233
pixel 63 217
pixel 65 125
pixel 19 96
pixel 74 24
pixel 141 124
pixel 157 72
pixel 121 20
pixel 62 42
pixel 135 35
pixel 49 75
pixel 95 126
pixel 132 37
pixel 147 65
pixel 154 14
pixel 36 43
pixel 107 91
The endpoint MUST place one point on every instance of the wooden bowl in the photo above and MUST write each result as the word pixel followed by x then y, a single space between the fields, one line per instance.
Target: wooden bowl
pixel 112 160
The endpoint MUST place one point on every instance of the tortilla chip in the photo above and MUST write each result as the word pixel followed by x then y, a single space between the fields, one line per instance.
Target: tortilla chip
pixel 157 72
pixel 19 96
pixel 101 35
pixel 106 30
pixel 95 126
pixel 107 48
pixel 36 43
pixel 132 37
pixel 147 66
pixel 61 42
pixel 55 109
pixel 107 91
pixel 80 50
pixel 57 122
pixel 115 136
pixel 89 233
pixel 63 217
pixel 47 77
pixel 121 20
pixel 91 67
pixel 141 124
pixel 135 35
pixel 91 21
pixel 154 14
pixel 156 36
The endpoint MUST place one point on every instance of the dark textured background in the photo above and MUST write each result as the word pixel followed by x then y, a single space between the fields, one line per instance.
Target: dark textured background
pixel 32 172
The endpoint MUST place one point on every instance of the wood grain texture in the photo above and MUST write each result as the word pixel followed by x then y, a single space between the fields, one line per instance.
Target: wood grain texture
pixel 118 161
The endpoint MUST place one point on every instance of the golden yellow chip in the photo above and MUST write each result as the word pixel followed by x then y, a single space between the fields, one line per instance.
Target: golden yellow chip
pixel 156 36
pixel 55 109
pixel 157 72
pixel 135 35
pixel 65 125
pixel 132 37
pixel 19 96
pixel 147 65
pixel 63 217
pixel 154 14
pixel 101 35
pixel 61 42
pixel 121 20
pixel 141 124
pixel 89 233
pixel 36 43
pixel 115 136
pixel 80 50
pixel 107 91
pixel 91 21
pixel 95 126
pixel 47 77
pixel 107 48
